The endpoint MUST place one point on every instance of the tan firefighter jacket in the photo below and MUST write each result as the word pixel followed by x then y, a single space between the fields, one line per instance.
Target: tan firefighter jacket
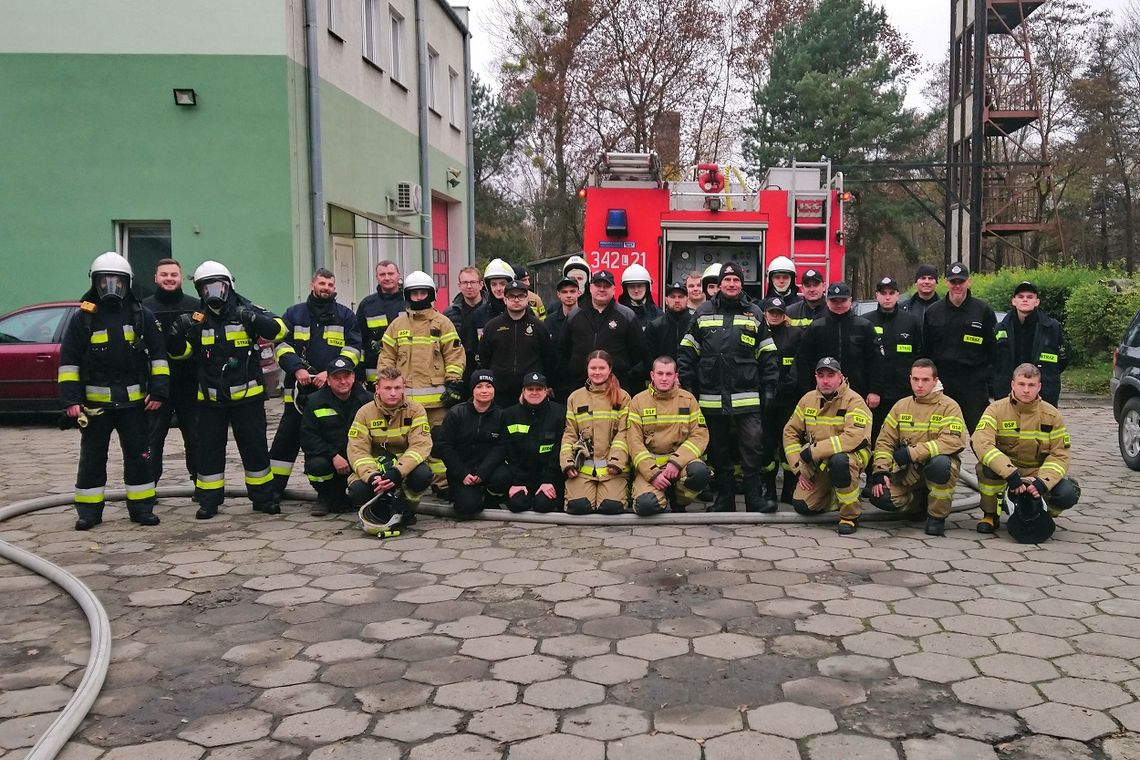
pixel 930 426
pixel 1013 436
pixel 595 434
pixel 842 424
pixel 665 427
pixel 403 433
pixel 426 349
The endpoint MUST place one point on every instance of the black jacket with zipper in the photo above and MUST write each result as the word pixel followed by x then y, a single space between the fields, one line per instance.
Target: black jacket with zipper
pixel 470 443
pixel 533 435
pixel 512 348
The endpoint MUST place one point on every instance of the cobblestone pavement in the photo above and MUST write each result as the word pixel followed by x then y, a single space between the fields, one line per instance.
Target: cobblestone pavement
pixel 270 638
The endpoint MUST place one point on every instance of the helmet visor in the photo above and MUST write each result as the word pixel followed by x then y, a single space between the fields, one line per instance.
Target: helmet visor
pixel 214 292
pixel 110 287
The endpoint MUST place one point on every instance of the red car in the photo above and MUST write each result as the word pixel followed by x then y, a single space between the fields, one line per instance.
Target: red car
pixel 29 357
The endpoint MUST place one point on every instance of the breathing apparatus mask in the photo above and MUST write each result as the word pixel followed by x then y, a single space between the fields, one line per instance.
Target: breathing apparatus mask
pixel 111 289
pixel 215 293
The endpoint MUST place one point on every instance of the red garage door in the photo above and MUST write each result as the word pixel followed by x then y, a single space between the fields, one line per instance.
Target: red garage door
pixel 439 253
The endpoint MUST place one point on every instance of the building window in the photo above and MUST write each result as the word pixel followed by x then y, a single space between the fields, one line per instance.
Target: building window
pixel 370 24
pixel 397 44
pixel 334 19
pixel 455 96
pixel 433 80
pixel 143 244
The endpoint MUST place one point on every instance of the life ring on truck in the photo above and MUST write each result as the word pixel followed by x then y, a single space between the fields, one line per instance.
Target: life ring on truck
pixel 710 179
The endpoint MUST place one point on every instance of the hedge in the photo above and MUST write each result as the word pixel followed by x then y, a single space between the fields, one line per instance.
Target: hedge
pixel 1096 318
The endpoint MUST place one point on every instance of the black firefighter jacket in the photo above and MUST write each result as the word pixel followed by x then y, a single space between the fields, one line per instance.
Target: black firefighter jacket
pixel 850 339
pixel 901 335
pixel 616 331
pixel 511 348
pixel 326 420
pixel 532 437
pixel 1038 341
pixel 470 443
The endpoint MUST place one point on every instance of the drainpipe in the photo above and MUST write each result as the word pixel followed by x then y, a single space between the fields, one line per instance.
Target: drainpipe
pixel 316 172
pixel 425 176
pixel 470 215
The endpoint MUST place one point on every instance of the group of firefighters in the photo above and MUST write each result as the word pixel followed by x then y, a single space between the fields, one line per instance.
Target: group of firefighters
pixel 645 407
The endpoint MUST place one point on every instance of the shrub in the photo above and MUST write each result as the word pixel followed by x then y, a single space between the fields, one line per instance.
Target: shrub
pixel 1096 318
pixel 1054 284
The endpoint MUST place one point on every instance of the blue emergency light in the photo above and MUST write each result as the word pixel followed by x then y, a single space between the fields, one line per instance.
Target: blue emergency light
pixel 617 226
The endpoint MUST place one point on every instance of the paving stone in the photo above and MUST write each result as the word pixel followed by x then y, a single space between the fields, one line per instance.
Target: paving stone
pixel 342 650
pixel 1015 667
pixel 583 609
pixel 512 723
pixel 476 695
pixel 824 692
pixel 167 750
pixel 653 646
pixel 417 724
pixel 728 646
pixel 564 693
pixel 610 669
pixel 791 720
pixel 262 749
pixel 284 673
pixel 946 747
pixel 393 696
pixel 498 647
pixel 747 744
pixel 606 722
pixel 228 728
pixel 529 669
pixel 697 721
pixel 364 673
pixel 830 625
pixel 318 727
pixel 357 749
pixel 876 644
pixel 38 699
pixel 1097 667
pixel 849 747
pixel 1040 747
pixel 473 627
pixel 1033 645
pixel 460 747
pixel 421 648
pixel 574 645
pixel 616 627
pixel 557 745
pixel 262 652
pixel 975 723
pixel 1122 748
pixel 854 667
pixel 653 747
pixel 159 597
pixel 1067 722
pixel 287 700
pixel 1084 692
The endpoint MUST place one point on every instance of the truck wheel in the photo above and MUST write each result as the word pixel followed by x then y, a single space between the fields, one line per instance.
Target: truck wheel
pixel 1129 431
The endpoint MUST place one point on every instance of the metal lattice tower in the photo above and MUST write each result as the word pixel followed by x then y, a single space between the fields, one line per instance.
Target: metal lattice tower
pixel 1000 207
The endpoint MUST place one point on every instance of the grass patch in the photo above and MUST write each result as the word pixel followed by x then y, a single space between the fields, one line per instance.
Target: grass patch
pixel 1091 378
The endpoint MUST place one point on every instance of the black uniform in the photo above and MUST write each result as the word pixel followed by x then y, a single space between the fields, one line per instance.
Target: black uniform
pixel 462 317
pixel 779 410
pixel 318 330
pixel 803 313
pixel 960 342
pixel 1038 341
pixel 663 335
pixel 533 434
pixel 373 316
pixel 900 333
pixel 556 323
pixel 324 434
pixel 231 389
pixel 789 296
pixel 614 330
pixel 646 311
pixel 918 306
pixel 183 401
pixel 511 348
pixel 471 443
pixel 110 360
pixel 849 338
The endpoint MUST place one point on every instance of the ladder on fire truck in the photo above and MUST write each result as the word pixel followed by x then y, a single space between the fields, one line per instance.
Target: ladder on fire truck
pixel 813 200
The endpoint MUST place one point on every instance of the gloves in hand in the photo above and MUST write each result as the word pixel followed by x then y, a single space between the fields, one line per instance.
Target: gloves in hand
pixel 181 325
pixel 247 316
pixel 1014 481
pixel 452 393
pixel 902 455
pixel 393 475
pixel 1039 484
pixel 878 478
pixel 805 455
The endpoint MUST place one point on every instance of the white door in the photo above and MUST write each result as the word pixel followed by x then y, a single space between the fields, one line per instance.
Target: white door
pixel 343 266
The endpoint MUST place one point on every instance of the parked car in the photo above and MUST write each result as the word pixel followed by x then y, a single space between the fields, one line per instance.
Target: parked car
pixel 1125 388
pixel 29 357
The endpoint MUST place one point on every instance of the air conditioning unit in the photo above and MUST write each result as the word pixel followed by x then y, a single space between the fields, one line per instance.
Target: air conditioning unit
pixel 408 200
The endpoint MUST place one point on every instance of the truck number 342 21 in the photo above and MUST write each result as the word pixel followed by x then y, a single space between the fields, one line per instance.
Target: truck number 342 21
pixel 614 259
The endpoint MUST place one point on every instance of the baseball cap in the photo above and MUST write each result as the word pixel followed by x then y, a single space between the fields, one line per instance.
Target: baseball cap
pixel 515 285
pixel 828 362
pixel 775 303
pixel 887 283
pixel 731 268
pixel 534 378
pixel 1025 286
pixel 812 274
pixel 340 364
pixel 838 290
pixel 926 270
pixel 566 282
pixel 482 376
pixel 958 271
pixel 603 275
pixel 675 286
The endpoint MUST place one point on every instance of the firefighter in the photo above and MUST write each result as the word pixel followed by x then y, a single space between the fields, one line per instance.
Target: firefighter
pixel 728 361
pixel 112 371
pixel 782 281
pixel 958 334
pixel 1022 447
pixel 167 304
pixel 533 301
pixel 578 270
pixel 776 413
pixel 607 325
pixel 423 345
pixel 317 331
pixel 812 304
pixel 559 313
pixel 917 454
pixel 515 344
pixel 375 313
pixel 389 443
pixel 324 435
pixel 849 338
pixel 900 334
pixel 925 295
pixel 461 312
pixel 223 336
pixel 663 335
pixel 470 443
pixel 827 442
pixel 495 278
pixel 695 290
pixel 534 428
pixel 636 294
pixel 710 281
pixel 594 454
pixel 667 438
pixel 1028 335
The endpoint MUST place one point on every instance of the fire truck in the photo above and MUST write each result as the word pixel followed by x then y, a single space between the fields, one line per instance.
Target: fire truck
pixel 634 216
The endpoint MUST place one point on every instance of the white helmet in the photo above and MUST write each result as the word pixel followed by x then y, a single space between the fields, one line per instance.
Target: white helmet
pixel 712 274
pixel 498 269
pixel 212 270
pixel 419 280
pixel 782 264
pixel 576 262
pixel 214 284
pixel 635 273
pixel 110 276
pixel 110 263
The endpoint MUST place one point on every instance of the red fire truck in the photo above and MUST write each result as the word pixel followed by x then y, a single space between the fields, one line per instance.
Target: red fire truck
pixel 633 216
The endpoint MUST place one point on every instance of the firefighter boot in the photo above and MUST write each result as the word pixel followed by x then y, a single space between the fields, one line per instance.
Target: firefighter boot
pixel 143 514
pixel 725 500
pixel 754 495
pixel 788 487
pixel 770 503
pixel 89 517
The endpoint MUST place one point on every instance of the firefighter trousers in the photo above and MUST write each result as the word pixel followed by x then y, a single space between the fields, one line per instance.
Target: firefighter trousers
pixel 773 419
pixel 91 479
pixel 471 500
pixel 931 483
pixel 435 417
pixel 835 482
pixel 749 436
pixel 183 401
pixel 413 487
pixel 971 393
pixel 286 445
pixel 329 484
pixel 607 496
pixel 248 423
pixel 648 500
pixel 879 416
pixel 992 487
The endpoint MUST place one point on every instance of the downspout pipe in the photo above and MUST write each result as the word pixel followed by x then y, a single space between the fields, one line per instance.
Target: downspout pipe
pixel 316 169
pixel 425 173
pixel 470 132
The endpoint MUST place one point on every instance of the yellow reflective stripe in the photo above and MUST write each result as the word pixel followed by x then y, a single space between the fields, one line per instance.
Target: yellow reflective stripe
pixel 620 445
pixel 282 330
pixel 363 461
pixel 99 336
pixel 453 369
pixel 88 495
pixel 324 412
pixel 990 456
pixel 987 420
pixel 210 482
pixel 691 447
pixel 159 367
pixel 1054 467
pixel 320 478
pixel 69 373
pixel 140 492
pixel 415 455
pixel 98 393
pixel 388 340
pixel 449 336
pixel 282 350
pixel 518 429
pixel 1052 358
pixel 301 332
pixel 641 457
pixel 378 321
pixel 932 447
pixel 258 478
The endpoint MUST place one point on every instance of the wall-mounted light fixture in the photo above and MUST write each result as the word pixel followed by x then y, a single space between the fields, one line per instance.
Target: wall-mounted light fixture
pixel 185 96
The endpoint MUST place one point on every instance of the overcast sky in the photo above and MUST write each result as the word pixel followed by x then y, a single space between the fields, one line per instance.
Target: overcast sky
pixel 925 22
